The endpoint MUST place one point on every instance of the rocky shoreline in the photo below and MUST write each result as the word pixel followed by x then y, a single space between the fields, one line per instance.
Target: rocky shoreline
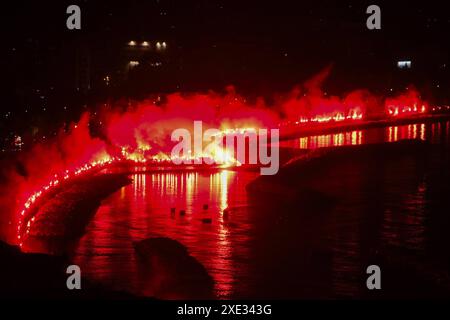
pixel 41 276
pixel 63 217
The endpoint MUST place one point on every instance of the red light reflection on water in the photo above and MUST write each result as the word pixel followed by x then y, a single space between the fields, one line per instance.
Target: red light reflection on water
pixel 411 131
pixel 373 135
pixel 142 210
pixel 332 140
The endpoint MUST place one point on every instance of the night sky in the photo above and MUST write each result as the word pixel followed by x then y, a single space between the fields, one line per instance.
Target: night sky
pixel 258 46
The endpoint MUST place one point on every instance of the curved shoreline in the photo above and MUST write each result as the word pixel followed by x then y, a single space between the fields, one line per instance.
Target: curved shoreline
pixel 319 129
pixel 62 217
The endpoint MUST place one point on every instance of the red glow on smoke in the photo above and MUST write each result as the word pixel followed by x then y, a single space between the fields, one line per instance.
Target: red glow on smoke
pixel 141 133
pixel 406 104
pixel 47 165
pixel 309 103
pixel 145 130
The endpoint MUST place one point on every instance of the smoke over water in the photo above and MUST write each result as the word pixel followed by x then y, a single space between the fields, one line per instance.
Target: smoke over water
pixel 143 131
pixel 310 102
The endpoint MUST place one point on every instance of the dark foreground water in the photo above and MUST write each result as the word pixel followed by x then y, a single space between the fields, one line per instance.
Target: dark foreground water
pixel 256 252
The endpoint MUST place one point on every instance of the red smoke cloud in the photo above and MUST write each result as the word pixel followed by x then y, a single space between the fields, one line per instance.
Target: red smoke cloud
pixel 36 167
pixel 406 104
pixel 309 101
pixel 150 126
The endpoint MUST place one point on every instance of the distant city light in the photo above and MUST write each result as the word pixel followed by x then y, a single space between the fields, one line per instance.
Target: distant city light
pixel 145 44
pixel 132 43
pixel 18 143
pixel 164 45
pixel 158 45
pixel 404 64
pixel 133 63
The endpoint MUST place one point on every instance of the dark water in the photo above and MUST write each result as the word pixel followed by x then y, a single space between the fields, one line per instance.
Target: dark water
pixel 257 252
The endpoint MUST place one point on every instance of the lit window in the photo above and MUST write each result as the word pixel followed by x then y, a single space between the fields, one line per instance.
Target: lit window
pixel 406 64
